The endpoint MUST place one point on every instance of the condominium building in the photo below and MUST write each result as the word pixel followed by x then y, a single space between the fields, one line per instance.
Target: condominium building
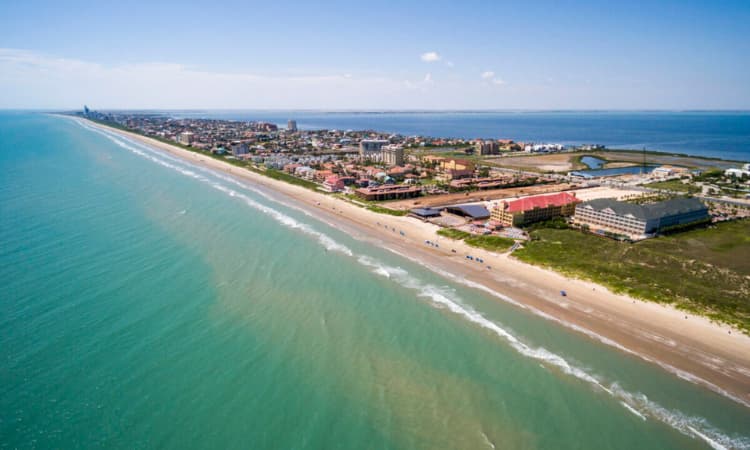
pixel 371 147
pixel 392 155
pixel 487 147
pixel 639 221
pixel 185 138
pixel 536 208
pixel 291 125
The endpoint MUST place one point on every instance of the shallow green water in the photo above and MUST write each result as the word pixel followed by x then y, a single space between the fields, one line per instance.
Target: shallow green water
pixel 145 303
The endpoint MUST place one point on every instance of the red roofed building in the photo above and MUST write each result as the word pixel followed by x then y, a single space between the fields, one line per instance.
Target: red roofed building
pixel 333 184
pixel 527 210
pixel 321 175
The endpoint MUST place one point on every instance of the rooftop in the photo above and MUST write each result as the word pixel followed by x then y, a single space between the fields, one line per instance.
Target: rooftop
pixel 671 207
pixel 540 201
pixel 473 211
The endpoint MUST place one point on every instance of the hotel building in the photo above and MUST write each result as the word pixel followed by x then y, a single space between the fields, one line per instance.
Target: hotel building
pixel 639 221
pixel 537 208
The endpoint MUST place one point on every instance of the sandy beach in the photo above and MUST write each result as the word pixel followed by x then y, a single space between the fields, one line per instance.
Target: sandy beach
pixel 689 346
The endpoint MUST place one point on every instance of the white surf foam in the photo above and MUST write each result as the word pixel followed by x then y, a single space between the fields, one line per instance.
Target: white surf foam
pixel 327 242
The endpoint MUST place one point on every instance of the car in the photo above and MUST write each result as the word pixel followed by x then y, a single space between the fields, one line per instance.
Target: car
pixel 563 293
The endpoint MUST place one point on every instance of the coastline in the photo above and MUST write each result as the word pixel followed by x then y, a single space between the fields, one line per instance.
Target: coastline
pixel 694 348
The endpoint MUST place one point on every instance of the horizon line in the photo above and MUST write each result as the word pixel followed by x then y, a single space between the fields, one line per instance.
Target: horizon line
pixel 399 110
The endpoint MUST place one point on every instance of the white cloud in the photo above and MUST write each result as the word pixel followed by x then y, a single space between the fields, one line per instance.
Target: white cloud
pixel 33 80
pixel 41 81
pixel 430 57
pixel 487 75
pixel 449 63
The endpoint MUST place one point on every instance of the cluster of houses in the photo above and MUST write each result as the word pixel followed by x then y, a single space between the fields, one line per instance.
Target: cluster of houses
pixel 495 147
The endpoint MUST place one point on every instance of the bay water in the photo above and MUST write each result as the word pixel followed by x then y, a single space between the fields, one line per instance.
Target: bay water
pixel 716 134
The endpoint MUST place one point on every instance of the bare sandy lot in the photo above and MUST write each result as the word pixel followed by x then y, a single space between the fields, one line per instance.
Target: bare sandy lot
pixel 476 196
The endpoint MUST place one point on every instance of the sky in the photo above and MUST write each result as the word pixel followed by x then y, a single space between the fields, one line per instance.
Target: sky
pixel 403 54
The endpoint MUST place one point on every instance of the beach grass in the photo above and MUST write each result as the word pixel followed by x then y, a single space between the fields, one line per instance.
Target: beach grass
pixel 283 176
pixel 706 270
pixel 491 243
pixel 383 210
pixel 453 233
pixel 673 185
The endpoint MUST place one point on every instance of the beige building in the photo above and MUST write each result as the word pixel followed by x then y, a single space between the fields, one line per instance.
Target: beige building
pixel 392 155
pixel 537 208
pixel 185 138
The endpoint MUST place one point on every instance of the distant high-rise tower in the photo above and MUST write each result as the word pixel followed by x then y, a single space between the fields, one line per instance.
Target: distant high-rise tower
pixel 291 125
pixel 85 110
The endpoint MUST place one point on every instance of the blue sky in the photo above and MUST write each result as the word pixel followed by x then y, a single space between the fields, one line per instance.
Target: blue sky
pixel 385 55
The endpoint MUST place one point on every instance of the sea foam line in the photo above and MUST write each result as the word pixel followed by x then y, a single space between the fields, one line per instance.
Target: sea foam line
pixel 637 403
pixel 327 242
pixel 687 376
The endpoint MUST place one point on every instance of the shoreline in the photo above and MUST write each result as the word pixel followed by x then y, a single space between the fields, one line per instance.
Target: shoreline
pixel 689 346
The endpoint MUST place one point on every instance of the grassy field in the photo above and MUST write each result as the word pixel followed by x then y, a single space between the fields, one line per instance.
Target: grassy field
pixel 673 185
pixel 453 234
pixel 492 243
pixel 705 270
pixel 283 176
pixel 382 210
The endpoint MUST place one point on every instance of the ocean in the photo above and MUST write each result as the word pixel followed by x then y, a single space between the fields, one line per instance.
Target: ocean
pixel 149 303
pixel 712 134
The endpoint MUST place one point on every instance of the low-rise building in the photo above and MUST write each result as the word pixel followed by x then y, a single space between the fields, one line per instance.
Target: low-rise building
pixel 455 169
pixel 321 175
pixel 333 184
pixel 456 164
pixel 536 208
pixel 739 173
pixel 639 221
pixel 388 192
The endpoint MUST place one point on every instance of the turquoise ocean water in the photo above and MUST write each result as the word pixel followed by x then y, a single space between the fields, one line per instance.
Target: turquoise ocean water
pixel 147 303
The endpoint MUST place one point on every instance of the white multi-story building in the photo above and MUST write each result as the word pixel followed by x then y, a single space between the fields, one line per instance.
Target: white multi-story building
pixel 638 221
pixel 371 147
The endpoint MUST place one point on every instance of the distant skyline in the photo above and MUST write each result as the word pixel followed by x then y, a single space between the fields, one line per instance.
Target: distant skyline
pixel 666 55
